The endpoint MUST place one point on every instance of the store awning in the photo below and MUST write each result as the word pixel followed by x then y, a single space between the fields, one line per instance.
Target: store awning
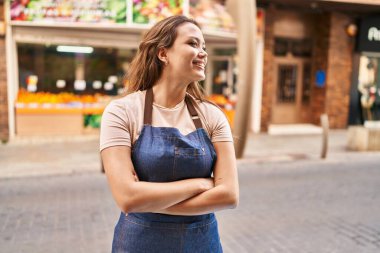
pixel 121 36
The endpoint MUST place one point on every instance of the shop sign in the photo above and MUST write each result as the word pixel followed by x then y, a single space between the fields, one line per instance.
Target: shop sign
pixel 369 35
pixel 98 11
pixel 210 14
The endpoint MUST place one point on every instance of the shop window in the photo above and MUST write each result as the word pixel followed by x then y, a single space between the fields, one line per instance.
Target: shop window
pixel 280 47
pixel 45 69
pixel 223 81
pixel 301 48
pixel 38 65
pixel 295 47
pixel 67 84
pixel 369 87
pixel 220 77
pixel 287 83
pixel 224 72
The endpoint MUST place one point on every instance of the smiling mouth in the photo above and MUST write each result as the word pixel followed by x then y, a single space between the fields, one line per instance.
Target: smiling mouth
pixel 199 64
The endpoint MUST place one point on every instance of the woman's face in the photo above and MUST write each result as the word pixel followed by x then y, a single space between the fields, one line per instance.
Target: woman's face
pixel 187 58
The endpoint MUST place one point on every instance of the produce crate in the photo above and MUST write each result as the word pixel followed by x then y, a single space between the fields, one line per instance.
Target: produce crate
pixel 49 121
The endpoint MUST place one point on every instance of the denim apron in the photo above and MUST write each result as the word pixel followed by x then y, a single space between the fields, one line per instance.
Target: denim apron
pixel 163 154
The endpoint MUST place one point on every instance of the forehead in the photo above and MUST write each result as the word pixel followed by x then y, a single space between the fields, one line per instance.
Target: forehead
pixel 189 30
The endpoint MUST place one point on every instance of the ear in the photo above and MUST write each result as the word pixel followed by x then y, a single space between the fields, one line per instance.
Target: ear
pixel 162 55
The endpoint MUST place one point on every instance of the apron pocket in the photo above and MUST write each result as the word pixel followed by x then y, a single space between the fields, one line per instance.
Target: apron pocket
pixel 190 163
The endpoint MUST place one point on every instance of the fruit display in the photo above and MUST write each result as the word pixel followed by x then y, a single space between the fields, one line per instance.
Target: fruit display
pixel 63 99
pixel 227 106
pixel 90 106
pixel 151 11
pixel 220 100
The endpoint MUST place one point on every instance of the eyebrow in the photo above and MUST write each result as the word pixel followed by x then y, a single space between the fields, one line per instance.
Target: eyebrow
pixel 197 39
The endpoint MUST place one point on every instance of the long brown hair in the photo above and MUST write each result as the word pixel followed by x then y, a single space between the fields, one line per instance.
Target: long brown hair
pixel 146 68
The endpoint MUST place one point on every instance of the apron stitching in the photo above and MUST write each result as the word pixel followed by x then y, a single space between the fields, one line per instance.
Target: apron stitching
pixel 163 227
pixel 174 162
pixel 201 139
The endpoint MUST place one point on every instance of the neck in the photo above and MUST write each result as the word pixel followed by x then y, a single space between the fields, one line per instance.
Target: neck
pixel 168 93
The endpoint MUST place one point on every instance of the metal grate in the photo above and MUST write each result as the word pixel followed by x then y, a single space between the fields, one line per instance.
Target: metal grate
pixel 287 80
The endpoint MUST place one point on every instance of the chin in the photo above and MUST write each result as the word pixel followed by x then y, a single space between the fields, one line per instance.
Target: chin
pixel 197 76
pixel 200 78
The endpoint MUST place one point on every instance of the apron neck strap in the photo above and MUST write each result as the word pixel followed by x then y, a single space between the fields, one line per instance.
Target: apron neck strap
pixel 193 113
pixel 148 108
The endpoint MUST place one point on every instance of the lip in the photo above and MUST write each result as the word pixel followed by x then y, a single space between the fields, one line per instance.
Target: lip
pixel 200 64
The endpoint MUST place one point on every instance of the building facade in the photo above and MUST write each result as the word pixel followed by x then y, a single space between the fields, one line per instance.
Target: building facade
pixel 313 58
pixel 66 60
pixel 311 61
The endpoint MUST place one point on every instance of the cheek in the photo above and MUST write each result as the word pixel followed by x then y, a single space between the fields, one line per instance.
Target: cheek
pixel 186 60
pixel 184 57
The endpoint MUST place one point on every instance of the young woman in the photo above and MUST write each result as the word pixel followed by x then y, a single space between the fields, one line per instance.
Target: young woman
pixel 167 152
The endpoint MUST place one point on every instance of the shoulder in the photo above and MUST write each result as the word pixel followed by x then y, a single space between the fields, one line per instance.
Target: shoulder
pixel 129 100
pixel 128 103
pixel 119 121
pixel 210 111
pixel 215 121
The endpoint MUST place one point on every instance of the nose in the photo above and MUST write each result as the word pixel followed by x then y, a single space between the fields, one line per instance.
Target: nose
pixel 202 53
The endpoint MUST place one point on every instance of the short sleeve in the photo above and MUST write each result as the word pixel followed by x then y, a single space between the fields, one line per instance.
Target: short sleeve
pixel 114 128
pixel 219 128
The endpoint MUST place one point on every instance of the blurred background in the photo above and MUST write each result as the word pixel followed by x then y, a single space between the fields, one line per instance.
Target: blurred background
pixel 62 62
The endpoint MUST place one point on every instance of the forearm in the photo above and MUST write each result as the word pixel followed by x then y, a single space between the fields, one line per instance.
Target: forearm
pixel 217 198
pixel 132 195
pixel 150 197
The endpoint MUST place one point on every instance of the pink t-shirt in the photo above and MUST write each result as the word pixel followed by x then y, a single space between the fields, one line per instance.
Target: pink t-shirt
pixel 122 120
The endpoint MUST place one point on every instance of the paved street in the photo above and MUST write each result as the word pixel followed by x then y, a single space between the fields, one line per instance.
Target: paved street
pixel 302 205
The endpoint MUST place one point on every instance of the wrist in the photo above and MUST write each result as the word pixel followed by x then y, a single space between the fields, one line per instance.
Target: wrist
pixel 205 184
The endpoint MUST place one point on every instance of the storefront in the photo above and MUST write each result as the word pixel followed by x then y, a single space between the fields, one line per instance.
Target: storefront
pixel 320 58
pixel 68 58
pixel 365 95
pixel 288 68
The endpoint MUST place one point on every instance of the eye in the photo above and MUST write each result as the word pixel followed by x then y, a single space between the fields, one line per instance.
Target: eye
pixel 204 49
pixel 193 43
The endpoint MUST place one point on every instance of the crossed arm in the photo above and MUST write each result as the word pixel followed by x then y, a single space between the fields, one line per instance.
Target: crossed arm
pixel 185 197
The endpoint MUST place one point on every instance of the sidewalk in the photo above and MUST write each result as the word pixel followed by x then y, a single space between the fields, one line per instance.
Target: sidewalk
pixel 264 147
pixel 49 156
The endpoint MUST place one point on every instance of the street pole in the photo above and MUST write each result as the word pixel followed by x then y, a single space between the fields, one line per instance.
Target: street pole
pixel 244 14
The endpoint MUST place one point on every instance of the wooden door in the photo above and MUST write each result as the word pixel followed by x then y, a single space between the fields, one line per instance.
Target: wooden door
pixel 288 95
